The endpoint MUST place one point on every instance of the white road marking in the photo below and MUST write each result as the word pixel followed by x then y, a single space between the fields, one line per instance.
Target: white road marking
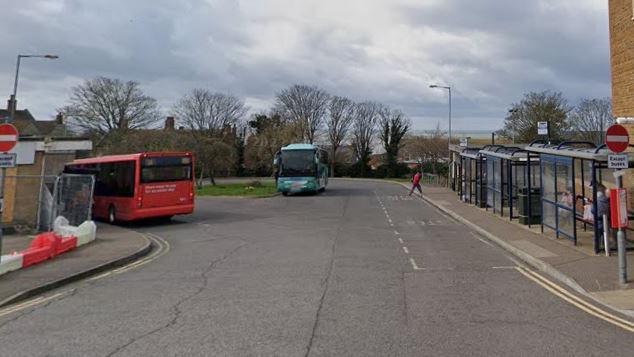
pixel 400 240
pixel 504 267
pixel 481 240
pixel 406 250
pixel 411 260
pixel 397 233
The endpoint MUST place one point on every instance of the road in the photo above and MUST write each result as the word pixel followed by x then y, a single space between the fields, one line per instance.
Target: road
pixel 361 270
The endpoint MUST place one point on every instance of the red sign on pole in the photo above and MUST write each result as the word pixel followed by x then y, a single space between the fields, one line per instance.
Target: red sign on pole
pixel 618 208
pixel 616 138
pixel 8 137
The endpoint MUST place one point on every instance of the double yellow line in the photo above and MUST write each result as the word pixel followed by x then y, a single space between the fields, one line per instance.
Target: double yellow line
pixel 576 301
pixel 163 247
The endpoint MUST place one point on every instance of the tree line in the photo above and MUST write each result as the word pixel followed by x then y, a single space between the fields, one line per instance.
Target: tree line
pixel 120 117
pixel 587 121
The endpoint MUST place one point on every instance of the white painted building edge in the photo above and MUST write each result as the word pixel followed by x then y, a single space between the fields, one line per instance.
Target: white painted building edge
pixel 625 120
pixel 62 145
pixel 26 150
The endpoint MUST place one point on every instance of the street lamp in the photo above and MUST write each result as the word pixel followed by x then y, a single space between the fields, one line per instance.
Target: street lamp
pixel 17 72
pixel 448 88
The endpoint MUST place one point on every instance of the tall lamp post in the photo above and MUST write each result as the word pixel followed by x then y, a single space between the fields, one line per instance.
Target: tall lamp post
pixel 17 73
pixel 448 88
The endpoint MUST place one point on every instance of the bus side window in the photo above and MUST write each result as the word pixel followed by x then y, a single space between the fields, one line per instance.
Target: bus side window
pixel 123 177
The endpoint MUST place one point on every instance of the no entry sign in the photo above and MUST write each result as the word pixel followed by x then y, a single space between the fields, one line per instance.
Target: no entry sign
pixel 8 137
pixel 617 139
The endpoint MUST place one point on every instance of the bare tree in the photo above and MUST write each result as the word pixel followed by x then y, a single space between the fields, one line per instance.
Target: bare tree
pixel 591 118
pixel 271 132
pixel 341 116
pixel 429 148
pixel 211 120
pixel 206 112
pixel 393 126
pixel 363 131
pixel 103 105
pixel 305 105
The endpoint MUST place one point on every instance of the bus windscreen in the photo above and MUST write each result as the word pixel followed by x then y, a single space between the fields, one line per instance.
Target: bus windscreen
pixel 162 169
pixel 298 163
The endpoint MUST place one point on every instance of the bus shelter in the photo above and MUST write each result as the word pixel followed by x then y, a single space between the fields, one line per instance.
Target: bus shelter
pixel 573 177
pixel 455 168
pixel 472 173
pixel 512 182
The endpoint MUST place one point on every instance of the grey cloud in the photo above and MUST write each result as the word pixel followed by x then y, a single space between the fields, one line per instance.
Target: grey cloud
pixel 494 51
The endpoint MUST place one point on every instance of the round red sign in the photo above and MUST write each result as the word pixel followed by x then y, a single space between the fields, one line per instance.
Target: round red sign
pixel 8 137
pixel 616 138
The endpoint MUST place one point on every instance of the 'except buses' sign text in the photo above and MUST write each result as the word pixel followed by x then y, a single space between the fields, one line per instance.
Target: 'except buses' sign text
pixel 7 161
pixel 617 161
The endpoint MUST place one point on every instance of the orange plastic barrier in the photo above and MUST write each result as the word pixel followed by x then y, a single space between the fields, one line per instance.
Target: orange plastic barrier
pixel 46 246
pixel 66 244
pixel 43 247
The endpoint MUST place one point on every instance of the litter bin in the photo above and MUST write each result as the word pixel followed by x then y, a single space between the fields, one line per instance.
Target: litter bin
pixel 536 206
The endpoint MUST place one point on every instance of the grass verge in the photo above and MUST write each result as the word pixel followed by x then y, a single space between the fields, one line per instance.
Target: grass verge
pixel 239 190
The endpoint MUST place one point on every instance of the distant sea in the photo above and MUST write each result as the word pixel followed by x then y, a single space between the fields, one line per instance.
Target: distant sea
pixel 474 134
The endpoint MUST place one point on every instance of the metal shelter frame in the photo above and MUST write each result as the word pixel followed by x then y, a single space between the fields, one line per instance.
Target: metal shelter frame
pixel 509 169
pixel 580 165
pixel 469 161
pixel 455 169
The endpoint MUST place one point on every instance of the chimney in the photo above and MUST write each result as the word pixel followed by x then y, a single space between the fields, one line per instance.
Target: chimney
pixel 59 119
pixel 169 123
pixel 11 104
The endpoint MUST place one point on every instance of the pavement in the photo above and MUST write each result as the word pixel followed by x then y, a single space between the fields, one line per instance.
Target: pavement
pixel 113 246
pixel 360 270
pixel 578 267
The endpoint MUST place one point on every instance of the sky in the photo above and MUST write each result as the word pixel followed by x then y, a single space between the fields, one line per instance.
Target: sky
pixel 490 52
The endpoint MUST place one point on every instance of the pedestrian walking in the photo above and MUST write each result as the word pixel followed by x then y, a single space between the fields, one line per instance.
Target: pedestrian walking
pixel 416 183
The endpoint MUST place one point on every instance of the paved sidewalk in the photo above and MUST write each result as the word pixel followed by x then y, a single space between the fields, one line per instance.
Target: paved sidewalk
pixel 113 245
pixel 595 275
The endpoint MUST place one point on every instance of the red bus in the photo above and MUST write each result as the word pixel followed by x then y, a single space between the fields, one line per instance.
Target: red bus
pixel 138 186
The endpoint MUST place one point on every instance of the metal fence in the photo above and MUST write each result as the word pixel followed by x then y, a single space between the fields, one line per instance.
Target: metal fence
pixel 31 203
pixel 432 179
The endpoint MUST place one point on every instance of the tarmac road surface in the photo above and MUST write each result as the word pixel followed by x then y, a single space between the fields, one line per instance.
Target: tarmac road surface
pixel 361 270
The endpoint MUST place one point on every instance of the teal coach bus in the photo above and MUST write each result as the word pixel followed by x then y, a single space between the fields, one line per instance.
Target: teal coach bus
pixel 301 168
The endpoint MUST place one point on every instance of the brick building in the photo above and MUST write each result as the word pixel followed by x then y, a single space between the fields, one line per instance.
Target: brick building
pixel 44 146
pixel 622 58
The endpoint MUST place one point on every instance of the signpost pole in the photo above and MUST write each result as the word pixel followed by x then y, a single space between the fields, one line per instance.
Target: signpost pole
pixel 620 242
pixel 4 175
pixel 618 140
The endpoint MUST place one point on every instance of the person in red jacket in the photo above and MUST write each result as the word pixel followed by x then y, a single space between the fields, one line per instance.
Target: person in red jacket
pixel 416 183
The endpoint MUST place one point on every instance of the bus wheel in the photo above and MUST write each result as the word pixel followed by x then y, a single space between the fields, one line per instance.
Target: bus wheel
pixel 284 193
pixel 112 215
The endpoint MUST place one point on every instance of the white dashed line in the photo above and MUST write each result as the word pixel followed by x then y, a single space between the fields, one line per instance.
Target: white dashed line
pixel 401 241
pixel 406 250
pixel 411 260
pixel 397 233
pixel 504 267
